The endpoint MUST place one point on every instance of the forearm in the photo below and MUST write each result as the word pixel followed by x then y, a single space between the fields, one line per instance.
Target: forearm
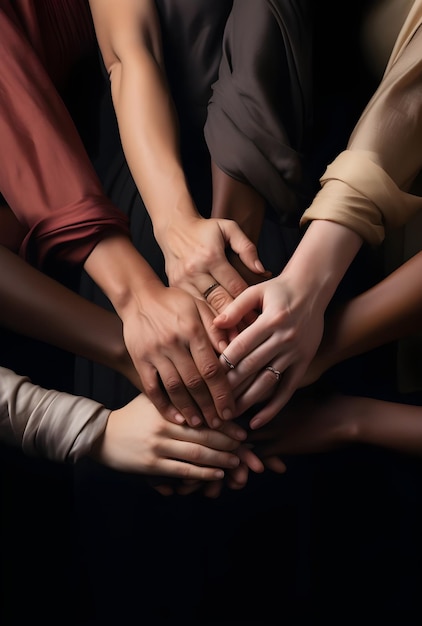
pixel 37 306
pixel 120 271
pixel 388 424
pixel 143 104
pixel 320 262
pixel 388 311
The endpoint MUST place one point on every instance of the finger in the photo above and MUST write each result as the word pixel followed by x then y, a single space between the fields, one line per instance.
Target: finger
pixel 219 295
pixel 260 390
pixel 275 464
pixel 238 478
pixel 219 338
pixel 233 430
pixel 256 343
pixel 187 470
pixel 252 364
pixel 219 389
pixel 166 389
pixel 250 459
pixel 245 303
pixel 219 299
pixel 218 439
pixel 288 385
pixel 200 454
pixel 243 246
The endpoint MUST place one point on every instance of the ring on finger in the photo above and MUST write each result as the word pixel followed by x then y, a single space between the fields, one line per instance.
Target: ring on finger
pixel 228 363
pixel 210 289
pixel 276 373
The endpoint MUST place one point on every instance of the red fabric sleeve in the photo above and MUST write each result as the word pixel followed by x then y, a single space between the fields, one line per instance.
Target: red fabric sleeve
pixel 46 176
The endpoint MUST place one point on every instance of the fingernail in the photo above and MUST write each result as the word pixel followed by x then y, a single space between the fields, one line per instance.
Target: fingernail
pixel 216 423
pixel 227 414
pixel 195 420
pixel 259 266
pixel 179 418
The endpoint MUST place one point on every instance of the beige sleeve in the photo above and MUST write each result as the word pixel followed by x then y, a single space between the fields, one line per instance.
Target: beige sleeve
pixel 368 187
pixel 47 423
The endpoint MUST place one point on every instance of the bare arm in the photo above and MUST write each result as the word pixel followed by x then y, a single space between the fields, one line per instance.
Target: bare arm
pixel 59 316
pixel 129 36
pixel 311 425
pixel 390 310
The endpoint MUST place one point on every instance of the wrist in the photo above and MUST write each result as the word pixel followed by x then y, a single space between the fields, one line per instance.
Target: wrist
pixel 321 260
pixel 174 217
pixel 120 271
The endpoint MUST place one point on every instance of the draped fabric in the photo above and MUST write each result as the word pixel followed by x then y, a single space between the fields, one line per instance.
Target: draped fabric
pixel 259 113
pixel 369 186
pixel 46 176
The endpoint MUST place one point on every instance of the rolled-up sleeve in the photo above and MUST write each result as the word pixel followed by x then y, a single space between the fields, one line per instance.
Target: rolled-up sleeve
pixel 371 187
pixel 46 176
pixel 47 423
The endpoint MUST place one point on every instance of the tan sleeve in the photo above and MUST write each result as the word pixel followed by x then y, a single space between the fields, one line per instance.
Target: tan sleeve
pixel 368 187
pixel 47 423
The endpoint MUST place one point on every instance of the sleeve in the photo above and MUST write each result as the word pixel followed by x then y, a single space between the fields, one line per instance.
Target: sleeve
pixel 48 423
pixel 371 186
pixel 46 176
pixel 259 110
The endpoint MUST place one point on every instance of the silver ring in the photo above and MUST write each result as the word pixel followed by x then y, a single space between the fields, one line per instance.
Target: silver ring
pixel 228 363
pixel 210 289
pixel 276 373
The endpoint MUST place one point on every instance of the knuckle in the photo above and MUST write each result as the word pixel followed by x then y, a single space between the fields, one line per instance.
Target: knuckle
pixel 211 370
pixel 195 383
pixel 195 454
pixel 218 299
pixel 173 385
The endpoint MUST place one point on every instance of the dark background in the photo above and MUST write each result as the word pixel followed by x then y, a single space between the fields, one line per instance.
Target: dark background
pixel 335 541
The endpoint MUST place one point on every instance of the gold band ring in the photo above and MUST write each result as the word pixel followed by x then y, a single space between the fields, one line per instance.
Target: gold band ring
pixel 210 289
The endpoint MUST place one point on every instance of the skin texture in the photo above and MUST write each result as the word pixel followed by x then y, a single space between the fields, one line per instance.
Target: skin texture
pixel 194 248
pixel 35 305
pixel 287 333
pixel 353 205
pixel 178 367
pixel 313 425
pixel 318 422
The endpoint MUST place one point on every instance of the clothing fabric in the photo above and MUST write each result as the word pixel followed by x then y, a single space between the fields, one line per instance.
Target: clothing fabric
pixel 374 186
pixel 243 99
pixel 47 423
pixel 259 113
pixel 46 176
pixel 371 187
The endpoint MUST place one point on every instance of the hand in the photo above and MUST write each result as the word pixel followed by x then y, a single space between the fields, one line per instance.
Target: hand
pixel 195 253
pixel 138 439
pixel 235 478
pixel 173 345
pixel 284 337
pixel 310 423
